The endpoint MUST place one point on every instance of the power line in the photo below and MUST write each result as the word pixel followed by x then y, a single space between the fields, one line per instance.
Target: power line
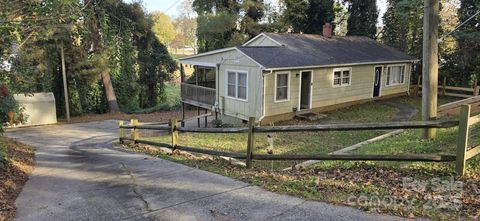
pixel 458 26
pixel 172 6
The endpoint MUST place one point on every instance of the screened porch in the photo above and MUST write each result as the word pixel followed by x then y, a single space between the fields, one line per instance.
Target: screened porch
pixel 199 88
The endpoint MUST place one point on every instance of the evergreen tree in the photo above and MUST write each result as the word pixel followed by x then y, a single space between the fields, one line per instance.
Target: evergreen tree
pixel 217 23
pixel 403 26
pixel 254 12
pixel 468 38
pixel 363 18
pixel 295 14
pixel 411 13
pixel 394 31
pixel 319 12
pixel 308 16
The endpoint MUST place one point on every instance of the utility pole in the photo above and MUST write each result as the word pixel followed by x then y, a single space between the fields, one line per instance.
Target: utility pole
pixel 430 64
pixel 65 88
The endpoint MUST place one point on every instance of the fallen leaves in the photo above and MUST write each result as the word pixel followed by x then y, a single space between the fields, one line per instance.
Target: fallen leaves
pixel 14 177
pixel 380 185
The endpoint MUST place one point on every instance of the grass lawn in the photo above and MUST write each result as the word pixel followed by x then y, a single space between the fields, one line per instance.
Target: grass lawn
pixel 367 185
pixel 291 143
pixel 417 102
pixel 16 164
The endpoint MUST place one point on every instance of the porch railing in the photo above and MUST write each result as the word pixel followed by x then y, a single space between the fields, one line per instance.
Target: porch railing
pixel 198 95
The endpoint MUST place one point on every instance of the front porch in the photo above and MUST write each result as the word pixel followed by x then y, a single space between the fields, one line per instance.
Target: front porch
pixel 198 96
pixel 198 89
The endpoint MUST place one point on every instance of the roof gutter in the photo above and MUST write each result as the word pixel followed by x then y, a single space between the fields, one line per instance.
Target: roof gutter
pixel 207 53
pixel 185 60
pixel 339 65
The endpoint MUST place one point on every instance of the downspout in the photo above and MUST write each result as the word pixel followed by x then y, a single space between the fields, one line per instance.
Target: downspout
pixel 263 95
pixel 217 89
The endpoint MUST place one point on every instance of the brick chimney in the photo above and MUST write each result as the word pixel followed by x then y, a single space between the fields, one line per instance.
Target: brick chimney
pixel 327 30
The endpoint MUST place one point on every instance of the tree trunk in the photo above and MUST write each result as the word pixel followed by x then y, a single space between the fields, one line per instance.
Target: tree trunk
pixel 152 95
pixel 110 93
pixel 97 46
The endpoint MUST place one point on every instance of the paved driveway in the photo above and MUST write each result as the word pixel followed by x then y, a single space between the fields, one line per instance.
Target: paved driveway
pixel 79 175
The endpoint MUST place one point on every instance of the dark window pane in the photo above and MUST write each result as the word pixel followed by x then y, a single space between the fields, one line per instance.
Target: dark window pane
pixel 337 74
pixel 336 81
pixel 231 77
pixel 282 93
pixel 242 92
pixel 242 79
pixel 282 80
pixel 231 91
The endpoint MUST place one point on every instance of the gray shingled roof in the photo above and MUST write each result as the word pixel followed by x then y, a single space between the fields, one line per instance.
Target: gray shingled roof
pixel 316 50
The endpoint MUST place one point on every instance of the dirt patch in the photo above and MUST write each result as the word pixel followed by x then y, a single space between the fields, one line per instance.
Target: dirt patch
pixel 14 176
pixel 162 116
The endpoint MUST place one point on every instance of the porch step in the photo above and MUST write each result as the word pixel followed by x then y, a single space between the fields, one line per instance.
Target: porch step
pixel 310 116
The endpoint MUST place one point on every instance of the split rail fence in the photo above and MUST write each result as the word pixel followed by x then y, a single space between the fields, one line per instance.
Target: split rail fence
pixel 463 153
pixel 451 91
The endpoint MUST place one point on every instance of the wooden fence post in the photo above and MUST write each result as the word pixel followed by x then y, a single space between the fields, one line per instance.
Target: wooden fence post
pixel 462 140
pixel 121 131
pixel 135 134
pixel 251 141
pixel 417 88
pixel 174 132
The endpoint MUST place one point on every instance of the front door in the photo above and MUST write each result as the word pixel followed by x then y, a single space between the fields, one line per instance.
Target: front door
pixel 305 89
pixel 377 81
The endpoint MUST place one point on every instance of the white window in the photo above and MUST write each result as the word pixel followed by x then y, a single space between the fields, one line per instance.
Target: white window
pixel 282 82
pixel 395 75
pixel 237 86
pixel 342 77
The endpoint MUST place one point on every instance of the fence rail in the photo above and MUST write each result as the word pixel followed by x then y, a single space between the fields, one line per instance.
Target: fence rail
pixel 462 153
pixel 305 128
pixel 449 91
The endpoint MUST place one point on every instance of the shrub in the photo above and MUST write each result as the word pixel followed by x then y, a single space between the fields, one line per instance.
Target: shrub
pixel 9 105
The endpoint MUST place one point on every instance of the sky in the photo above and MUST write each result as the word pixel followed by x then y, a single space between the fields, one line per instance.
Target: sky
pixel 170 7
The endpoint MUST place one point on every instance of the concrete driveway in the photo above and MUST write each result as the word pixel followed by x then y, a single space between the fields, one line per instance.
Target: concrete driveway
pixel 79 175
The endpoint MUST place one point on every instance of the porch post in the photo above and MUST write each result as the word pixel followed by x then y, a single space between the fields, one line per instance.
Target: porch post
pixel 198 118
pixel 217 95
pixel 183 115
pixel 182 79
pixel 206 120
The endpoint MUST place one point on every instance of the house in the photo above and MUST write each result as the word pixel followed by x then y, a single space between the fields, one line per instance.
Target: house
pixel 275 76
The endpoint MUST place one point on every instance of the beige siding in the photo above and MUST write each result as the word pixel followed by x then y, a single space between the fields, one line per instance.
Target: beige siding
pixel 237 108
pixel 389 90
pixel 233 60
pixel 272 108
pixel 323 92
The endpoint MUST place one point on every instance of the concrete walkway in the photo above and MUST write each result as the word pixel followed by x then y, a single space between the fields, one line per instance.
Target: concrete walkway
pixel 405 111
pixel 79 175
